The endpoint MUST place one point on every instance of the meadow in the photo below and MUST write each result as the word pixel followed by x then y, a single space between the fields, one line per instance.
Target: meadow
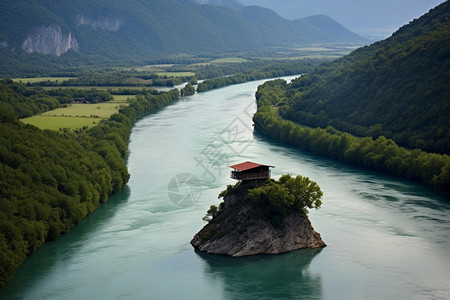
pixel 41 79
pixel 76 116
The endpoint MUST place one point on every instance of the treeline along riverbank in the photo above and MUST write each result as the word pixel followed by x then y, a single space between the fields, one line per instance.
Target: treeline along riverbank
pixel 50 181
pixel 379 154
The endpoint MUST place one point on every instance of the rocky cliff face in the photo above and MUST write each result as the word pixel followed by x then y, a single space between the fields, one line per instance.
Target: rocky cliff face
pixel 107 23
pixel 241 230
pixel 49 40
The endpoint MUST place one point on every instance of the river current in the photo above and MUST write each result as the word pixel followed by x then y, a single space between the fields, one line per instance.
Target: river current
pixel 387 238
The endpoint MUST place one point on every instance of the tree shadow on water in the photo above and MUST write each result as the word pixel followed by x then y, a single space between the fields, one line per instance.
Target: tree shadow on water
pixel 283 276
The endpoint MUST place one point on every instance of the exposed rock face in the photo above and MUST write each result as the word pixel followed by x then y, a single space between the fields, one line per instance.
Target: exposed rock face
pixel 49 40
pixel 241 230
pixel 102 22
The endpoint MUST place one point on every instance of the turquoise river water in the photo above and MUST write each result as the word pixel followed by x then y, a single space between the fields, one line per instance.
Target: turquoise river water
pixel 387 238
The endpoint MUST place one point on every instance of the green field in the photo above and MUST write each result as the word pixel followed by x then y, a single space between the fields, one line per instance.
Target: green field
pixel 41 79
pixel 76 116
pixel 100 110
pixel 56 123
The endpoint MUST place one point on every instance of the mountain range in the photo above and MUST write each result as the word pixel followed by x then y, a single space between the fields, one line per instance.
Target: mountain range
pixel 375 19
pixel 144 29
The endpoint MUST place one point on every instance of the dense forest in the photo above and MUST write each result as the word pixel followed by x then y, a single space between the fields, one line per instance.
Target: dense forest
pixel 50 181
pixel 379 154
pixel 397 88
pixel 26 101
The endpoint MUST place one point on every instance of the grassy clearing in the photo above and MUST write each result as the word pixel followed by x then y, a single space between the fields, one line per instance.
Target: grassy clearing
pixel 41 79
pixel 55 123
pixel 100 110
pixel 76 116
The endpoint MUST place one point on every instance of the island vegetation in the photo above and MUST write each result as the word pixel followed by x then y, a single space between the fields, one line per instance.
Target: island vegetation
pixel 275 197
pixel 262 217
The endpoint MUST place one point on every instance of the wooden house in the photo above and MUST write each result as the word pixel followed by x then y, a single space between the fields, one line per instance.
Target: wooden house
pixel 250 171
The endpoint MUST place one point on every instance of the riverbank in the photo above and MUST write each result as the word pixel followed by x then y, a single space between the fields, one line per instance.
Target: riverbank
pixel 51 181
pixel 380 155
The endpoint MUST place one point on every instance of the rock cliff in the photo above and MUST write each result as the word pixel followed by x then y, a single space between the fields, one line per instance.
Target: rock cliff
pixel 242 229
pixel 49 40
pixel 108 23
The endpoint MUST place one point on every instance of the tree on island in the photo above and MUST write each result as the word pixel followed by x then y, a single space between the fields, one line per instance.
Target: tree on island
pixel 277 197
pixel 262 217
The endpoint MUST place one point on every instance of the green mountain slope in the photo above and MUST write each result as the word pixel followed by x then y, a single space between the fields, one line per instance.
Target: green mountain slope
pixel 398 88
pixel 108 32
pixel 273 27
pixel 326 29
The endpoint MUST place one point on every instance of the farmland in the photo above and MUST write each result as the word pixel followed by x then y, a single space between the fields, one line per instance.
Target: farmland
pixel 41 79
pixel 76 116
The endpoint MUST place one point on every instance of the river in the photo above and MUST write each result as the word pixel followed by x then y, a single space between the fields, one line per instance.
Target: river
pixel 387 238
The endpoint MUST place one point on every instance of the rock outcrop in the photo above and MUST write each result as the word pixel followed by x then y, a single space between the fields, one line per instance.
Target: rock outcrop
pixel 49 40
pixel 241 229
pixel 108 23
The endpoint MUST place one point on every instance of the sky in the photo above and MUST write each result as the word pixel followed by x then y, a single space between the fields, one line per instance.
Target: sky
pixel 375 18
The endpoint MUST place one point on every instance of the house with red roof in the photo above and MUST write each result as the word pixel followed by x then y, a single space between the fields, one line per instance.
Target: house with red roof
pixel 250 171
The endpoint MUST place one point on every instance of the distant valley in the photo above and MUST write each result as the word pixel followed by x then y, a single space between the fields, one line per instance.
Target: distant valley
pixel 138 31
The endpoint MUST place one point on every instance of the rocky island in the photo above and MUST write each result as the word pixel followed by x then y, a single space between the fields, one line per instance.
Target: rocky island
pixel 262 216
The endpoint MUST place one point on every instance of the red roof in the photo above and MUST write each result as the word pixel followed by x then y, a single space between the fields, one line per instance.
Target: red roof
pixel 248 165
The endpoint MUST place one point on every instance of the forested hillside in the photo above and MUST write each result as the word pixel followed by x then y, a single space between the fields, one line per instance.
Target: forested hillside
pixel 398 88
pixel 50 181
pixel 99 32
pixel 362 108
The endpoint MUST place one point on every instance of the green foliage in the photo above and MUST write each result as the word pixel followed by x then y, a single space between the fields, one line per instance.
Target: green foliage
pixel 50 181
pixel 211 213
pixel 393 92
pixel 188 90
pixel 287 194
pixel 90 95
pixel 397 88
pixel 24 101
pixel 381 154
pixel 230 188
pixel 262 72
pixel 273 199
